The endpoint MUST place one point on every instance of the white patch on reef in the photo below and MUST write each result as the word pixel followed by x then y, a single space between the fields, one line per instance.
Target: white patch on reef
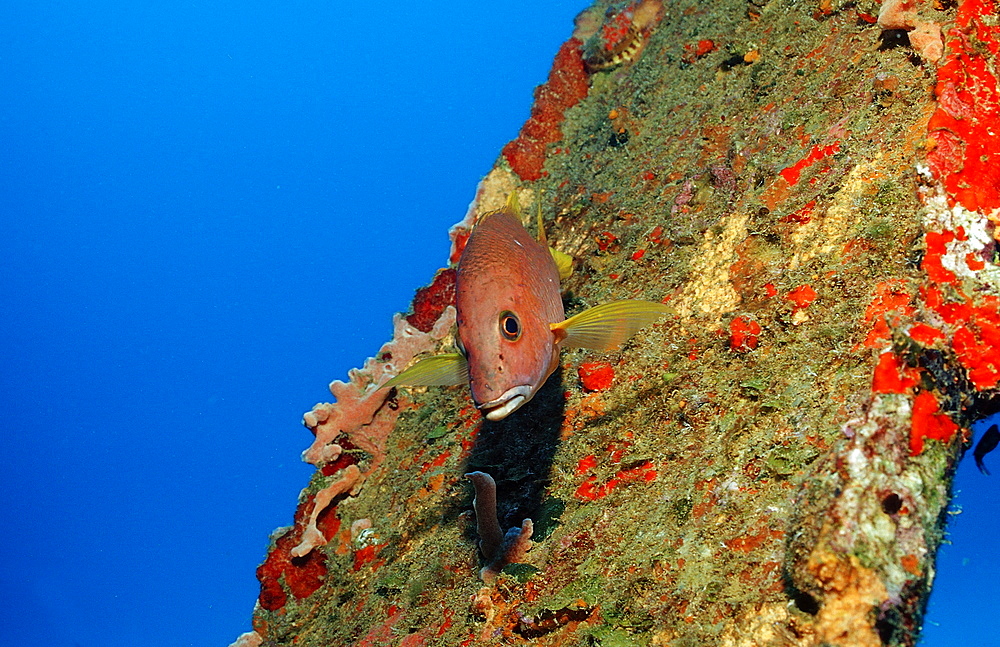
pixel 938 216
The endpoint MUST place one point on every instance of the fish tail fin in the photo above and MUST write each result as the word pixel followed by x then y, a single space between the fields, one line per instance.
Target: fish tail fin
pixel 606 327
pixel 440 370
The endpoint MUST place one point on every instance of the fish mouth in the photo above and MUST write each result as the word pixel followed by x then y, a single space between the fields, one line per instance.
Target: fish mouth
pixel 507 403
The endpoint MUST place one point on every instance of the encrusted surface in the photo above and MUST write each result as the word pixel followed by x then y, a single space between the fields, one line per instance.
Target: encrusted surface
pixel 769 466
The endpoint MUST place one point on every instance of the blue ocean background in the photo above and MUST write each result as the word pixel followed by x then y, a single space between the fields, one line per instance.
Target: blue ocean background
pixel 208 211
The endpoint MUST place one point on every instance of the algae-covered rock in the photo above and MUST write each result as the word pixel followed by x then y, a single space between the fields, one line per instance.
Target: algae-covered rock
pixel 769 464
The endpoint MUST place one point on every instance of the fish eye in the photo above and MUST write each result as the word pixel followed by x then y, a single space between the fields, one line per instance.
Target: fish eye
pixel 510 326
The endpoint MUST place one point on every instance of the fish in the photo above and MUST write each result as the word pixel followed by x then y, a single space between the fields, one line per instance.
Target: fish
pixel 510 318
pixel 986 444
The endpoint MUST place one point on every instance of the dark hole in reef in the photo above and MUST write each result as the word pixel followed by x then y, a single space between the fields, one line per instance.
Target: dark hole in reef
pixel 619 138
pixel 805 602
pixel 892 504
pixel 388 592
pixel 548 621
pixel 915 257
pixel 986 404
pixel 733 61
pixel 886 629
pixel 893 38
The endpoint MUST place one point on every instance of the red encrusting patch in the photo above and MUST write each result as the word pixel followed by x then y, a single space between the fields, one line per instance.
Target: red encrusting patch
pixel 749 543
pixel 977 344
pixel 586 464
pixel 925 335
pixel 302 575
pixel 615 30
pixel 952 312
pixel 743 333
pixel 366 555
pixel 802 215
pixel 461 237
pixel 346 458
pixel 694 51
pixel 890 298
pixel 976 340
pixel 893 376
pixel 567 84
pixel 794 172
pixel 446 625
pixel 596 376
pixel 605 240
pixel 437 462
pixel 801 296
pixel 928 423
pixel 965 157
pixel 431 300
pixel 591 490
pixel 936 243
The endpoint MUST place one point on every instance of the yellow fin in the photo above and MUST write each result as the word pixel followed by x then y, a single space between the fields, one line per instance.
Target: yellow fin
pixel 440 370
pixel 564 263
pixel 513 205
pixel 608 326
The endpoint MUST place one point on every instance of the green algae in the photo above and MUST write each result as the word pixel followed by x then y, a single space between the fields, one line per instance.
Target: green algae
pixel 745 447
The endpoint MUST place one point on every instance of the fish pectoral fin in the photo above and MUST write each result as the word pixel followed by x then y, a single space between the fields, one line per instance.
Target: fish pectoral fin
pixel 606 327
pixel 564 263
pixel 441 370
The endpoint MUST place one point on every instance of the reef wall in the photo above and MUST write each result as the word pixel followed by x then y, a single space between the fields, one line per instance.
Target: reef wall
pixel 813 187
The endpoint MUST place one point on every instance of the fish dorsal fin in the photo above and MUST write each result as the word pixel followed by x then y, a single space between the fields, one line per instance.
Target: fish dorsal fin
pixel 513 205
pixel 564 263
pixel 541 223
pixel 440 370
pixel 608 326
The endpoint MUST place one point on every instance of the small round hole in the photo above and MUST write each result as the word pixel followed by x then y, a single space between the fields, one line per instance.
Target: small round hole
pixel 892 504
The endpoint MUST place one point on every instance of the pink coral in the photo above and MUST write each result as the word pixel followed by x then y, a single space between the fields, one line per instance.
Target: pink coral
pixel 249 639
pixel 925 36
pixel 312 536
pixel 361 413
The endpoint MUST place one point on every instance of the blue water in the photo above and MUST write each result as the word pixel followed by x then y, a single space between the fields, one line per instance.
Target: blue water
pixel 208 212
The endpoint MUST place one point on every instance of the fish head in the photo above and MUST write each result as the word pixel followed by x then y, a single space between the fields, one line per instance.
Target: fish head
pixel 510 352
pixel 507 295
